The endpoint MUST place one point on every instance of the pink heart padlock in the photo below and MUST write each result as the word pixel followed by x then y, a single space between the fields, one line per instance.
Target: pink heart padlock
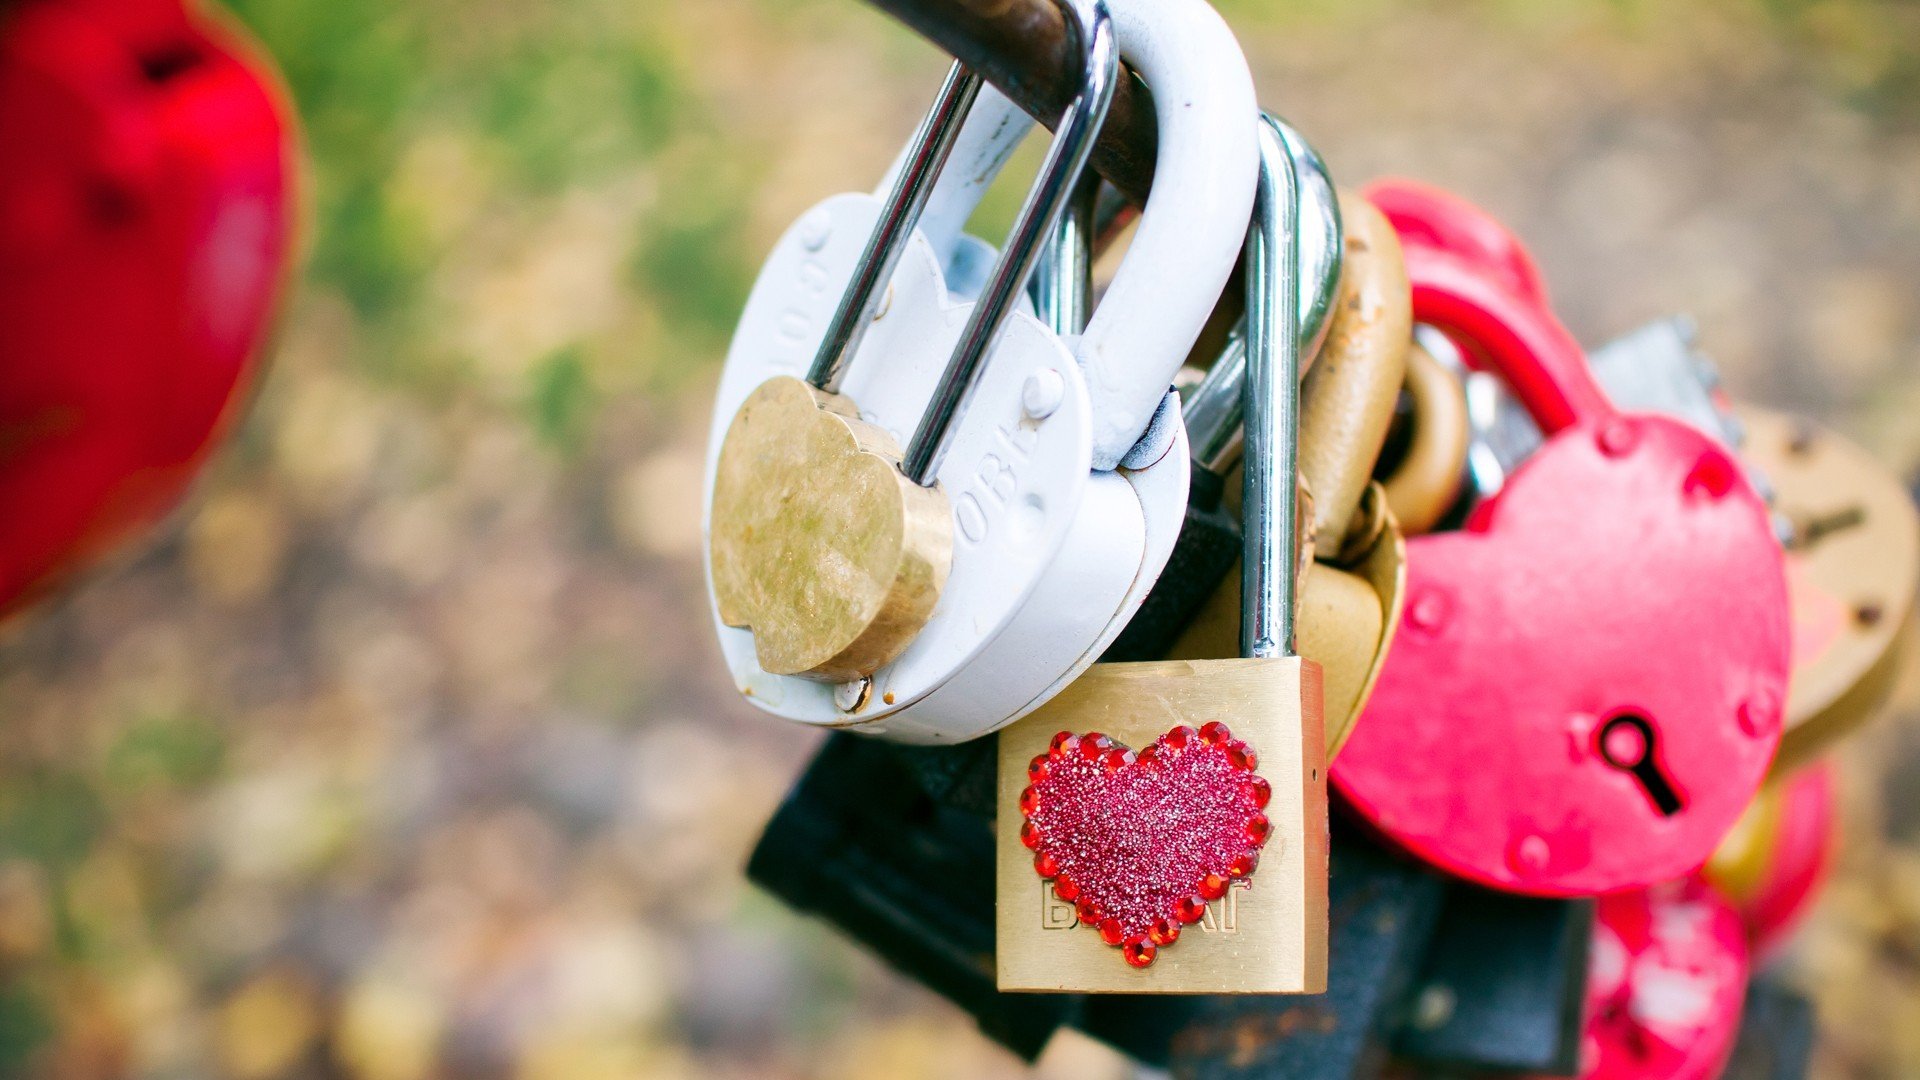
pixel 1588 683
pixel 1427 216
pixel 1666 985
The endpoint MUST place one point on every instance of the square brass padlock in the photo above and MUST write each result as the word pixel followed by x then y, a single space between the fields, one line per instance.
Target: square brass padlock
pixel 1267 933
pixel 1161 827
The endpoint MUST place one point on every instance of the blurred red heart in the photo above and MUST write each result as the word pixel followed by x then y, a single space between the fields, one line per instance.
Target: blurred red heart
pixel 145 219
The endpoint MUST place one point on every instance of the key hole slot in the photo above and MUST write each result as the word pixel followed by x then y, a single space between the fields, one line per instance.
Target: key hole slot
pixel 1628 742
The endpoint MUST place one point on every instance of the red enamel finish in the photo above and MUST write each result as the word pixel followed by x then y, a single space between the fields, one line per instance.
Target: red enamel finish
pixel 1431 217
pixel 1626 568
pixel 1666 983
pixel 146 173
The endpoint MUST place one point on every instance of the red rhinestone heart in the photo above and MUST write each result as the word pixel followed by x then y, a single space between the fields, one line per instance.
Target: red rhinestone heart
pixel 1139 843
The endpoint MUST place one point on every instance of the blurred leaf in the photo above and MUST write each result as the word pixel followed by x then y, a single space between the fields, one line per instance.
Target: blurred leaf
pixel 177 752
pixel 25 1027
pixel 562 398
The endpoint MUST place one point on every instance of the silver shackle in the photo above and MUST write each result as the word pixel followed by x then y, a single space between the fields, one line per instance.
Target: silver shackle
pixel 1039 216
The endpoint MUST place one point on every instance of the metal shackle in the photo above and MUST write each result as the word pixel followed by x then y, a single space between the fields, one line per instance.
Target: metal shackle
pixel 1271 403
pixel 914 181
pixel 1215 408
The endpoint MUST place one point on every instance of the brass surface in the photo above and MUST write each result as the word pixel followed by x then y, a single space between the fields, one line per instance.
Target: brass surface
pixel 1347 620
pixel 1347 397
pixel 1426 482
pixel 1852 588
pixel 819 544
pixel 1738 866
pixel 1269 937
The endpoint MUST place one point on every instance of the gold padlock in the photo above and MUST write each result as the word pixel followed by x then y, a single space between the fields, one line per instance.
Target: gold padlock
pixel 1425 483
pixel 1853 564
pixel 1347 397
pixel 1162 826
pixel 1351 596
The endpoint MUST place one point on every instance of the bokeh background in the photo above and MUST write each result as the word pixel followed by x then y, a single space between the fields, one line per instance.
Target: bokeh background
pixel 405 753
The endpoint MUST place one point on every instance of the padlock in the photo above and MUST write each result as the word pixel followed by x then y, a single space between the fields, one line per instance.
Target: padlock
pixel 1667 983
pixel 1853 566
pixel 1592 674
pixel 1051 550
pixel 1435 218
pixel 1352 592
pixel 1777 1033
pixel 1504 986
pixel 146 214
pixel 1655 368
pixel 1208 546
pixel 1143 823
pixel 1851 531
pixel 1772 865
pixel 828 542
pixel 1428 471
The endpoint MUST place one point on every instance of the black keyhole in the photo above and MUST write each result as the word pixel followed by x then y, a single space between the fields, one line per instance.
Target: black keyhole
pixel 1629 743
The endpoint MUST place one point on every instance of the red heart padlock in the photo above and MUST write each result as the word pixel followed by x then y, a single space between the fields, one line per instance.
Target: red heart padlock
pixel 1666 983
pixel 1588 682
pixel 145 216
pixel 1431 217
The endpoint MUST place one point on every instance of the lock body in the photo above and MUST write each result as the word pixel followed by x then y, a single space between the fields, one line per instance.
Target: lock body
pixel 1267 934
pixel 1591 676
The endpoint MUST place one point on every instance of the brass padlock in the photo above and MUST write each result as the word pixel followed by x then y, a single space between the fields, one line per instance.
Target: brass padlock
pixel 1351 595
pixel 1853 564
pixel 1162 826
pixel 1426 481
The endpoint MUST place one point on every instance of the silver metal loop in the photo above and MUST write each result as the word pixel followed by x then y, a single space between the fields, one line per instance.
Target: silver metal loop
pixel 1271 404
pixel 1059 176
pixel 1062 285
pixel 926 155
pixel 1213 408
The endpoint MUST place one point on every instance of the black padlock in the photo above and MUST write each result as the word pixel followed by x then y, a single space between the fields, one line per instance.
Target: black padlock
pixel 1504 985
pixel 1384 911
pixel 1776 1035
pixel 861 844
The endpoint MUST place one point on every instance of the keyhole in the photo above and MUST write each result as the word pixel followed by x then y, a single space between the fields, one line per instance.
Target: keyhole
pixel 1629 743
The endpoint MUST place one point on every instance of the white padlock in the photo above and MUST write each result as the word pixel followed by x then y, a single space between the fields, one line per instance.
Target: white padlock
pixel 1051 553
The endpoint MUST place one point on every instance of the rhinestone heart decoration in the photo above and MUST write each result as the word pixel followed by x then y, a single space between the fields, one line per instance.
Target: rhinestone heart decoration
pixel 1140 843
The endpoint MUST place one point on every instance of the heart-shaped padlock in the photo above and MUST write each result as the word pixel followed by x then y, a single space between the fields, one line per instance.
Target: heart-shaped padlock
pixel 145 220
pixel 1427 216
pixel 1665 985
pixel 1588 684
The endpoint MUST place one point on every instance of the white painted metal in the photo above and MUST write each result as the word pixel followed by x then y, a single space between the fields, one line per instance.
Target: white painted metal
pixel 1195 221
pixel 1053 553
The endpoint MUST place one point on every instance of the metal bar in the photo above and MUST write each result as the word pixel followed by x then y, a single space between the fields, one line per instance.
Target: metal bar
pixel 1030 50
pixel 1059 174
pixel 1272 406
pixel 931 145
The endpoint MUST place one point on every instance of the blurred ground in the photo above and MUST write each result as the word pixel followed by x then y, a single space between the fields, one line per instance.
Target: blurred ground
pixel 406 754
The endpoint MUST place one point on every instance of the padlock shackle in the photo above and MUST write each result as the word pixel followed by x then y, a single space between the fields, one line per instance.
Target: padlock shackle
pixel 1270 502
pixel 1516 338
pixel 1213 408
pixel 1427 216
pixel 911 185
pixel 1193 224
pixel 1046 201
